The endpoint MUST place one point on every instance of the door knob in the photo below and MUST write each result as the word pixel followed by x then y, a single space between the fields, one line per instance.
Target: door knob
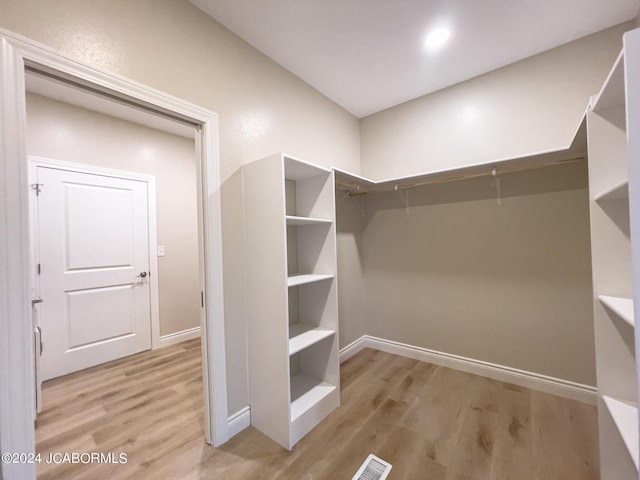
pixel 142 275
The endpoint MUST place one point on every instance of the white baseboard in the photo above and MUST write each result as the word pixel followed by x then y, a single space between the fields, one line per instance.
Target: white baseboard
pixel 239 421
pixel 523 378
pixel 178 337
pixel 354 347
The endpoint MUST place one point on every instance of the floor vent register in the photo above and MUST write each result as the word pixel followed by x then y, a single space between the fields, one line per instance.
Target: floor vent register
pixel 373 468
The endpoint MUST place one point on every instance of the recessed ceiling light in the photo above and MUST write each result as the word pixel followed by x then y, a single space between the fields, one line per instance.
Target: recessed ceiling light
pixel 438 37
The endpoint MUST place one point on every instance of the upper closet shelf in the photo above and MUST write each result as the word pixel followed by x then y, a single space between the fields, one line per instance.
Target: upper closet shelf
pixel 300 279
pixel 625 417
pixel 623 307
pixel 620 191
pixel 610 102
pixel 299 221
pixel 576 151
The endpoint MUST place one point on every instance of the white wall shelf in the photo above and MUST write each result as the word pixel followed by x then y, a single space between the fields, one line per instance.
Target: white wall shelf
pixel 292 298
pixel 620 191
pixel 302 278
pixel 625 417
pixel 303 335
pixel 575 151
pixel 623 307
pixel 293 221
pixel 306 392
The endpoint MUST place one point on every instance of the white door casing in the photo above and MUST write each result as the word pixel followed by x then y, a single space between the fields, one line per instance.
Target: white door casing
pixel 17 393
pixel 94 258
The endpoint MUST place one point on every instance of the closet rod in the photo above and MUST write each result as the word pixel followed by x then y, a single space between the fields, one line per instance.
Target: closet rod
pixel 350 187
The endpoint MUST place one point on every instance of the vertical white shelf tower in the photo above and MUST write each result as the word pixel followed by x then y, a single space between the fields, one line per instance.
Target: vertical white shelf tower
pixel 292 303
pixel 613 123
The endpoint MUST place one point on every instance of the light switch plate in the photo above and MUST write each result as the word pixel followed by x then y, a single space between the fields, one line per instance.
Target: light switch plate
pixel 161 250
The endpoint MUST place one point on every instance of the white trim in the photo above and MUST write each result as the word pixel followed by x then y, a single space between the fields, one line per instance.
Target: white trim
pixel 34 285
pixel 239 421
pixel 90 169
pixel 178 337
pixel 354 347
pixel 17 388
pixel 17 392
pixel 152 224
pixel 523 378
pixel 154 269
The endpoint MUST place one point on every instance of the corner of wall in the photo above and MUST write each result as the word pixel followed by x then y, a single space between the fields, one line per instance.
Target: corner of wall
pixel 351 307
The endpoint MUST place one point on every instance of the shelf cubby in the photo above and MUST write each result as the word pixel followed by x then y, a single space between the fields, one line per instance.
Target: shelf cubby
pixel 625 417
pixel 303 335
pixel 617 192
pixel 622 307
pixel 307 392
pixel 610 102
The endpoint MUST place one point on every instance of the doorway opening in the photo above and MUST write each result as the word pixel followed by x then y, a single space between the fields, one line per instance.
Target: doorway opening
pixel 116 270
pixel 17 404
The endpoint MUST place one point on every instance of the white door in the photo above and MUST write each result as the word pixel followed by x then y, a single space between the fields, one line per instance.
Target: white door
pixel 94 269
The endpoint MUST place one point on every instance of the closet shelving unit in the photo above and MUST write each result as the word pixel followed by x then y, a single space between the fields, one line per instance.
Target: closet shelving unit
pixel 610 184
pixel 292 306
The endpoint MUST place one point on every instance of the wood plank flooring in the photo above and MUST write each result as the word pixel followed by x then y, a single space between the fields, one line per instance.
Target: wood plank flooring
pixel 430 422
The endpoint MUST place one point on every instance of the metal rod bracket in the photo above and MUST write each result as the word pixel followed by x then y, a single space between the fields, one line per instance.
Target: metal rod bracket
pixel 359 202
pixel 496 183
pixel 404 195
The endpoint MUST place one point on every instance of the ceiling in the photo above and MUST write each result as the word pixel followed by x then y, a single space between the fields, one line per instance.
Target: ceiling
pixel 368 55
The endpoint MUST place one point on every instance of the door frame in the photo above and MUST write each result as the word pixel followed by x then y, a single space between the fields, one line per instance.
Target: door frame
pixel 17 390
pixel 152 224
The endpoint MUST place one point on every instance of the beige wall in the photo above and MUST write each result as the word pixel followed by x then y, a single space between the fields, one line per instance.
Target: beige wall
pixel 509 285
pixel 64 132
pixel 176 48
pixel 530 106
pixel 353 322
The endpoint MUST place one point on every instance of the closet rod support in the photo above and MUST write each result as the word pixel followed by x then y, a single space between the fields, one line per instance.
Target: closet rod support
pixel 359 204
pixel 346 194
pixel 496 183
pixel 404 195
pixel 352 189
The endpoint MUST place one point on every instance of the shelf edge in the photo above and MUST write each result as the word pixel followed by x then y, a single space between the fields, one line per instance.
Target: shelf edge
pixel 326 333
pixel 305 278
pixel 617 409
pixel 612 303
pixel 610 194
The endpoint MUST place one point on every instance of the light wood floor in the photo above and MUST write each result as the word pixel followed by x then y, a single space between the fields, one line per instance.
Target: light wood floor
pixel 430 422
